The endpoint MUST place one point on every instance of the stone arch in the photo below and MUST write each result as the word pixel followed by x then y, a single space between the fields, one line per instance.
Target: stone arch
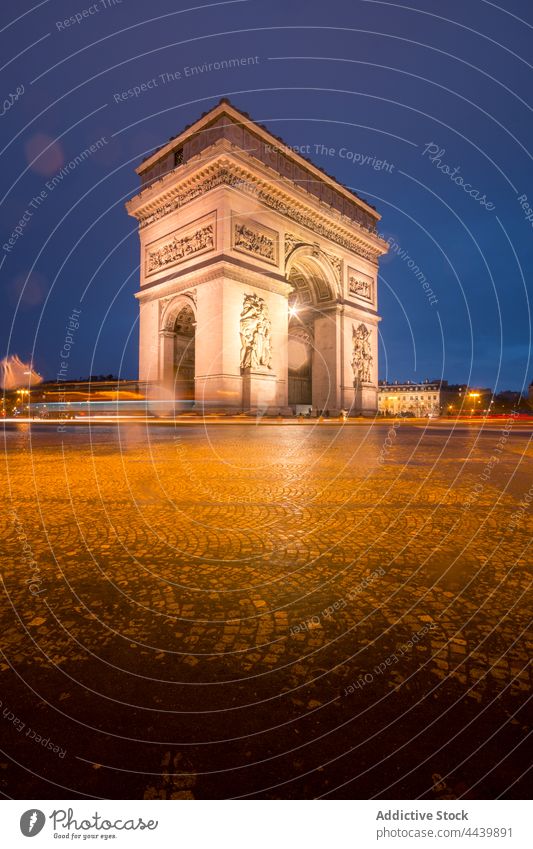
pixel 178 344
pixel 310 264
pixel 172 308
pixel 300 347
pixel 313 328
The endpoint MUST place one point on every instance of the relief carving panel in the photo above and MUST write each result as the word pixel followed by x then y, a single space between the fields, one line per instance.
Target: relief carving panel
pixel 360 285
pixel 225 177
pixel 255 330
pixel 362 358
pixel 196 238
pixel 253 238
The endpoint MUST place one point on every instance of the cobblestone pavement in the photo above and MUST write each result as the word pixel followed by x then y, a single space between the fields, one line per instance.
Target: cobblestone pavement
pixel 269 612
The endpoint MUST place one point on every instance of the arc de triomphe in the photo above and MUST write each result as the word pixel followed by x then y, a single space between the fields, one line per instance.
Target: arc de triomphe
pixel 258 284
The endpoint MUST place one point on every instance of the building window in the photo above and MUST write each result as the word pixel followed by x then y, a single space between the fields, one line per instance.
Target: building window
pixel 178 157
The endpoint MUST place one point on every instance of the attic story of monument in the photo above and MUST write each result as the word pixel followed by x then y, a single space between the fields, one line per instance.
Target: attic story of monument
pixel 258 275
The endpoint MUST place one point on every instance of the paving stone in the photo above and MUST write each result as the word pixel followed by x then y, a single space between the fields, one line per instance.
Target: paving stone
pixel 238 602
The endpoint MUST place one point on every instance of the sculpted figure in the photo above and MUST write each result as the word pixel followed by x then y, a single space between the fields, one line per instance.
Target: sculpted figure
pixel 362 353
pixel 255 328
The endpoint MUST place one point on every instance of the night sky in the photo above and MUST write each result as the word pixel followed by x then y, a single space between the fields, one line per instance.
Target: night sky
pixel 376 81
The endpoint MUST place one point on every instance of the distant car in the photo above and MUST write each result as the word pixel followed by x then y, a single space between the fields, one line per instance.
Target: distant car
pixel 55 414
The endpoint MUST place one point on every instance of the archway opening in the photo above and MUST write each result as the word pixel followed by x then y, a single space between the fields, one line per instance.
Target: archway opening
pixel 310 325
pixel 184 354
pixel 300 362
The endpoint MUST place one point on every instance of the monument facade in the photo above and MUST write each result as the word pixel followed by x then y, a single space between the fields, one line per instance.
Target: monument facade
pixel 259 273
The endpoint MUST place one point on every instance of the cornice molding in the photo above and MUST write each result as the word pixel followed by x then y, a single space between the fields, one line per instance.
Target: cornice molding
pixel 227 172
pixel 220 270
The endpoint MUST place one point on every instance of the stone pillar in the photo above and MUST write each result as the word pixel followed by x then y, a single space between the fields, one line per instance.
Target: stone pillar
pixel 325 374
pixel 166 358
pixel 365 398
pixel 149 344
pixel 259 391
pixel 218 381
pixel 360 358
pixel 221 383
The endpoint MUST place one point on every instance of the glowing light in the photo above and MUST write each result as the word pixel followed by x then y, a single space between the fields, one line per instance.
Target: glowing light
pixel 14 373
pixel 293 311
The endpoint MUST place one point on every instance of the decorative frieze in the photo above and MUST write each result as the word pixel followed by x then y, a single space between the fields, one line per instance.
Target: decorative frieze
pixel 291 242
pixel 360 285
pixel 259 190
pixel 194 239
pixel 300 333
pixel 253 238
pixel 336 262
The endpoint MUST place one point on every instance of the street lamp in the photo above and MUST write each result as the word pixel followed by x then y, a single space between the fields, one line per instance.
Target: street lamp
pixel 475 396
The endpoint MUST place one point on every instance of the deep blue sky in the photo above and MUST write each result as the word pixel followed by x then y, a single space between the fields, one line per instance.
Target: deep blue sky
pixel 375 78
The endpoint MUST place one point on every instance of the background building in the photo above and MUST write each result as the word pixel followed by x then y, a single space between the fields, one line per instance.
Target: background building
pixel 432 398
pixel 416 399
